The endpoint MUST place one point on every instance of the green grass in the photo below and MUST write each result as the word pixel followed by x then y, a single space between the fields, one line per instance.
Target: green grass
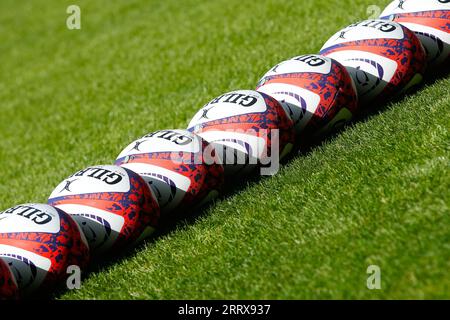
pixel 378 193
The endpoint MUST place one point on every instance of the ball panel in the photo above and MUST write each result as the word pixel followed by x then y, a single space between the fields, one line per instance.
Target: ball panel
pixel 30 218
pixel 412 63
pixel 206 184
pixel 101 227
pixel 168 186
pixel 298 102
pixel 400 6
pixel 236 137
pixel 366 30
pixel 312 99
pixel 370 74
pixel 431 27
pixel 90 180
pixel 339 103
pixel 29 269
pixel 8 284
pixel 381 67
pixel 48 238
pixel 164 141
pixel 177 171
pixel 253 145
pixel 312 63
pixel 231 104
pixel 437 20
pixel 137 209
pixel 272 115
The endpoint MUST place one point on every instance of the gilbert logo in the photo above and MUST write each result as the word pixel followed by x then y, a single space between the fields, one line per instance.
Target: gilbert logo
pixel 381 25
pixel 102 174
pixel 34 214
pixel 311 60
pixel 169 135
pixel 241 99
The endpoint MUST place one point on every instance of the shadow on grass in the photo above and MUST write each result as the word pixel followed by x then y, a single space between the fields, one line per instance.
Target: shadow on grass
pixel 181 221
pixel 371 111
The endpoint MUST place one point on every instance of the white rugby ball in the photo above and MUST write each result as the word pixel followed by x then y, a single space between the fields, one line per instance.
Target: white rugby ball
pixel 39 242
pixel 178 165
pixel 430 20
pixel 383 57
pixel 316 91
pixel 240 124
pixel 113 206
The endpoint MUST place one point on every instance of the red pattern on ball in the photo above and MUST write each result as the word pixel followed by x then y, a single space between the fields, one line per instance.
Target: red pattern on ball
pixel 335 89
pixel 205 175
pixel 408 52
pixel 138 207
pixel 273 118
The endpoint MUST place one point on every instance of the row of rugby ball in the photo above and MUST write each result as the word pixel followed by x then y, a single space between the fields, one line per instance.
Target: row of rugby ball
pixel 102 209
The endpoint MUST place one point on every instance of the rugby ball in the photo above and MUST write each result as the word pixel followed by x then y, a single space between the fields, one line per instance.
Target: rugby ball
pixel 39 242
pixel 430 21
pixel 383 57
pixel 8 285
pixel 113 206
pixel 317 92
pixel 247 128
pixel 179 166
